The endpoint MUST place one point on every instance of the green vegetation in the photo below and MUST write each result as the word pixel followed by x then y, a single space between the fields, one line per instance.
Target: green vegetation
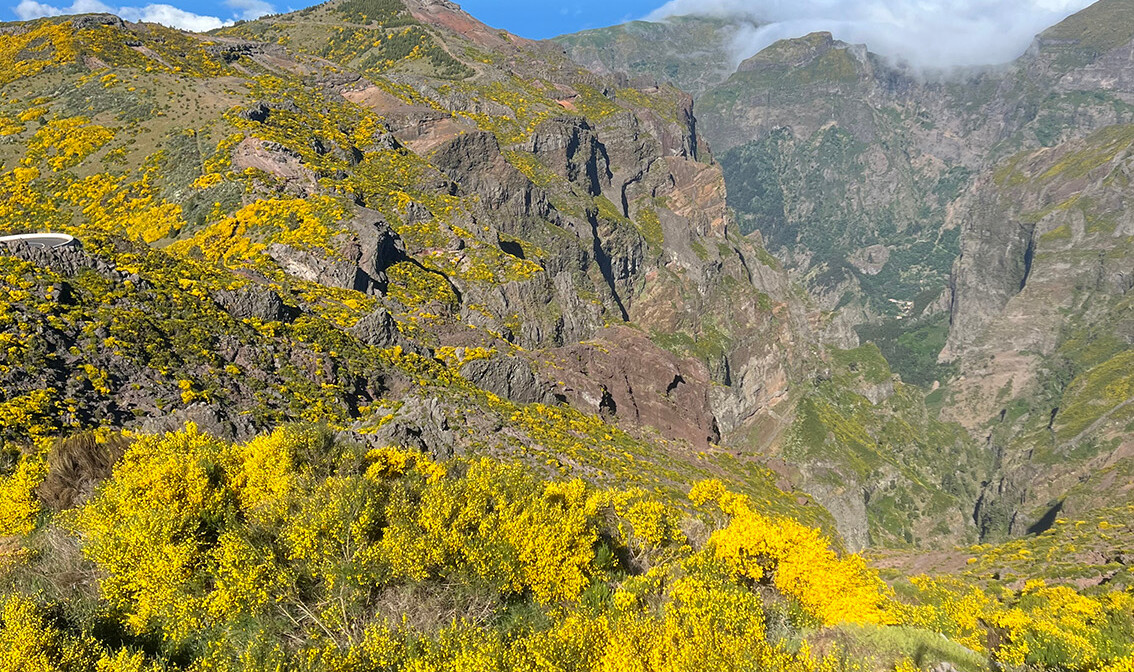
pixel 387 13
pixel 650 227
pixel 1099 392
pixel 239 428
pixel 297 551
pixel 1093 32
pixel 912 350
pixel 860 428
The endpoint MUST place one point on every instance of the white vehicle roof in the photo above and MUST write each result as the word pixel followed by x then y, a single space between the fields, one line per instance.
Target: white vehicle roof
pixel 48 240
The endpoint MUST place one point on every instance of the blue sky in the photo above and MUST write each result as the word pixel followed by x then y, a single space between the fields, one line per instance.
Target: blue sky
pixel 530 19
pixel 540 20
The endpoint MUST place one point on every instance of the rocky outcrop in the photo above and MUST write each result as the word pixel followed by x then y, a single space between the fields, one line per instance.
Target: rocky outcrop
pixel 365 252
pixel 419 423
pixel 276 160
pixel 373 245
pixel 67 261
pixel 94 21
pixel 846 502
pixel 510 377
pixel 570 148
pixel 997 253
pixel 210 418
pixel 474 162
pixel 1042 243
pixel 378 329
pixel 254 303
pixel 315 267
pixel 624 376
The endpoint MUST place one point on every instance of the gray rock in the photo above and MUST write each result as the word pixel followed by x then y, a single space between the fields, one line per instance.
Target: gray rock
pixel 569 146
pixel 878 393
pixel 68 261
pixel 89 21
pixel 368 248
pixel 846 502
pixel 473 160
pixel 232 51
pixel 253 303
pixel 319 268
pixel 421 424
pixel 378 329
pixel 374 246
pixel 509 377
pixel 209 418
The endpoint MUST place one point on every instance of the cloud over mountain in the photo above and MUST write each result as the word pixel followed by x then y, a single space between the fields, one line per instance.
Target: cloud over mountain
pixel 167 15
pixel 925 33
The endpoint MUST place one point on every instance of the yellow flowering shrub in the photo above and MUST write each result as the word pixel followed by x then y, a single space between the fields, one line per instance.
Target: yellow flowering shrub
pixel 65 143
pixel 300 551
pixel 53 44
pixel 304 223
pixel 31 643
pixel 496 523
pixel 207 181
pixel 125 661
pixel 8 126
pixel 948 606
pixel 1057 627
pixel 1038 627
pixel 148 531
pixel 19 507
pixel 1124 665
pixel 394 462
pixel 796 559
pixel 265 476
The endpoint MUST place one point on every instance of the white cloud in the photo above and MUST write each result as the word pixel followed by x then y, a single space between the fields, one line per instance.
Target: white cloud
pixel 30 9
pixel 926 33
pixel 167 15
pixel 250 9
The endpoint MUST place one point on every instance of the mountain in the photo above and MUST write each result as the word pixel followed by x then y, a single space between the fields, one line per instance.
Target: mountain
pixel 968 223
pixel 507 201
pixel 562 227
pixel 693 53
pixel 390 340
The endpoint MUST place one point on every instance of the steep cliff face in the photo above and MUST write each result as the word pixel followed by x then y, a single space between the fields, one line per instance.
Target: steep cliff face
pixel 971 224
pixel 1042 321
pixel 834 154
pixel 392 218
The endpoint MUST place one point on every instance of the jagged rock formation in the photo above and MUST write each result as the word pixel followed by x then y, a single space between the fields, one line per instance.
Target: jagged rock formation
pixel 400 222
pixel 869 181
pixel 430 188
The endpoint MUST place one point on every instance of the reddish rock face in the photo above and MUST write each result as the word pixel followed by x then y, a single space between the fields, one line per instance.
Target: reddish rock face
pixel 448 15
pixel 623 375
pixel 275 160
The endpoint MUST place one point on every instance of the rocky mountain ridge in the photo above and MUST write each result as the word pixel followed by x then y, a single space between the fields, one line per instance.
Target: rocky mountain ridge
pixel 395 341
pixel 379 210
pixel 894 197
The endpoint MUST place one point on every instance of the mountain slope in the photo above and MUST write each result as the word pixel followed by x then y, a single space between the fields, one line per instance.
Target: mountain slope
pixel 394 341
pixel 390 219
pixel 970 225
pixel 693 53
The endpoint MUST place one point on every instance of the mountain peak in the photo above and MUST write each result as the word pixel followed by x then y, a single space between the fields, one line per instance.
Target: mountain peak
pixel 1085 36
